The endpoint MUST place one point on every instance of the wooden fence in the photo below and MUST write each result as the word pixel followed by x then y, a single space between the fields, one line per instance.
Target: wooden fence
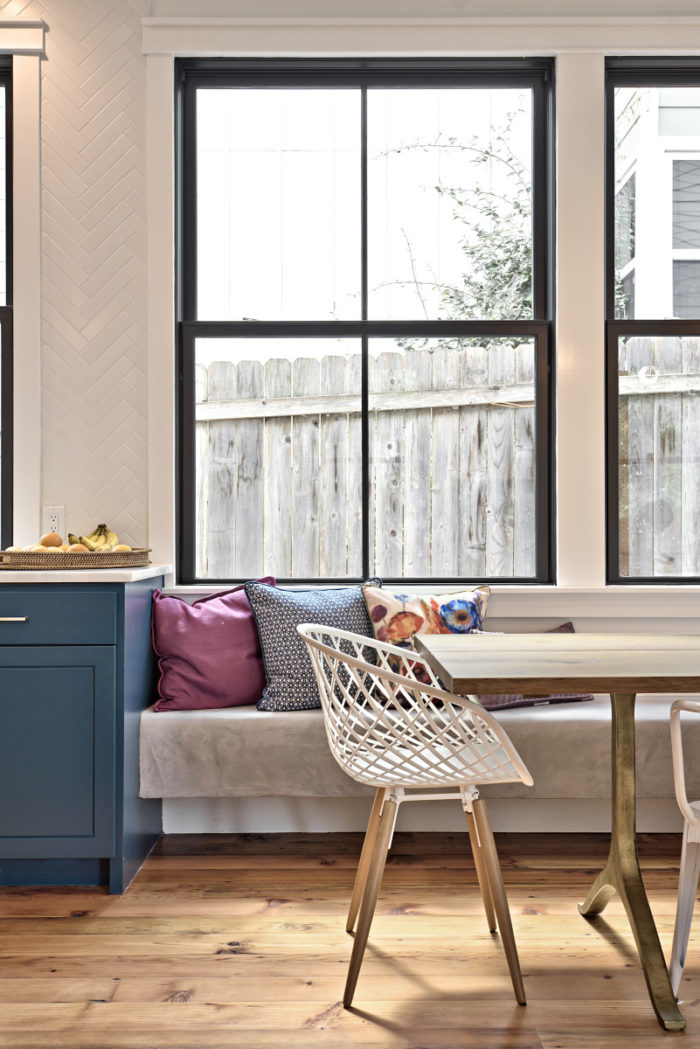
pixel 451 465
pixel 451 438
pixel 659 455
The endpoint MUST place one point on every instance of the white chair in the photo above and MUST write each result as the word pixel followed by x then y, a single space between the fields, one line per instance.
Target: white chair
pixel 393 731
pixel 690 853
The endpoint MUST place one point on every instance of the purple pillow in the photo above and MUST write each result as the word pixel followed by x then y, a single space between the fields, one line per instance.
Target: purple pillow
pixel 501 701
pixel 208 652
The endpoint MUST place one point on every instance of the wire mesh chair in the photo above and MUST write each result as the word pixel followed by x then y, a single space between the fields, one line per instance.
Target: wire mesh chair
pixel 690 852
pixel 391 725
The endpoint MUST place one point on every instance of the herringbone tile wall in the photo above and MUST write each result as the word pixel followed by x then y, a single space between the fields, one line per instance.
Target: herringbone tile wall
pixel 94 348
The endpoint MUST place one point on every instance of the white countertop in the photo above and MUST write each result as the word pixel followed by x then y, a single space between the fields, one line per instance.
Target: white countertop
pixel 83 575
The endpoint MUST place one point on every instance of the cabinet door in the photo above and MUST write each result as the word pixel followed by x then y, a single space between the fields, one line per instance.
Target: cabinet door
pixel 57 729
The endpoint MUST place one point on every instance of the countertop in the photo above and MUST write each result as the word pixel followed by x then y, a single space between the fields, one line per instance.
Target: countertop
pixel 83 575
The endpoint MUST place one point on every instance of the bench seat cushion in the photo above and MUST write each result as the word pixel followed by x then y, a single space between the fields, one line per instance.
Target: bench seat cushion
pixel 244 752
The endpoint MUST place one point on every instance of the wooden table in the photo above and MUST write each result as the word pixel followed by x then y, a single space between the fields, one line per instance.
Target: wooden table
pixel 622 665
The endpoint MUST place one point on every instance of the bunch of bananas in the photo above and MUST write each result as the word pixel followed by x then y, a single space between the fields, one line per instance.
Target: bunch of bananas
pixel 102 540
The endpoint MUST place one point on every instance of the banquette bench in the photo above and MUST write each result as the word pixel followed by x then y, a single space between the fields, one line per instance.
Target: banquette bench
pixel 241 752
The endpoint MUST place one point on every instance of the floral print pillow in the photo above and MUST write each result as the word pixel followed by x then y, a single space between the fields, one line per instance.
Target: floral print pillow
pixel 396 618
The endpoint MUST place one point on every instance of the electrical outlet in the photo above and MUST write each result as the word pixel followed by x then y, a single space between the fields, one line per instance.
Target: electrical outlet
pixel 54 519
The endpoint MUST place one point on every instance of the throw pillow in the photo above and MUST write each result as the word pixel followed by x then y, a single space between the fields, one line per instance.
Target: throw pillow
pixel 396 618
pixel 208 652
pixel 291 684
pixel 504 700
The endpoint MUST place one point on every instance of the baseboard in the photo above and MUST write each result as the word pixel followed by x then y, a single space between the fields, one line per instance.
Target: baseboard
pixel 323 815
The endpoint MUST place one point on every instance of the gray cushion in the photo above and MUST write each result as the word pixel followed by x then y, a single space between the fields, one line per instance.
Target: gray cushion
pixel 291 684
pixel 239 752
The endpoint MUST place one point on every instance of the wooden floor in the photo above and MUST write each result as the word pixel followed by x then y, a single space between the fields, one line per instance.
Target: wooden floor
pixel 239 941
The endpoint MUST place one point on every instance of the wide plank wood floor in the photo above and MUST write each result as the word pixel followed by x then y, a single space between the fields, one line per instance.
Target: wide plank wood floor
pixel 239 941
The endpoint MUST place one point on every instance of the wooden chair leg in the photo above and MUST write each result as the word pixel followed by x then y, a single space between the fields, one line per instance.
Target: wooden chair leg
pixel 498 894
pixel 365 858
pixel 687 888
pixel 369 897
pixel 481 872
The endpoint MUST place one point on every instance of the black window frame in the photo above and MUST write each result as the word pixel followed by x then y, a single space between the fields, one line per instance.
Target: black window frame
pixel 537 73
pixel 631 72
pixel 6 363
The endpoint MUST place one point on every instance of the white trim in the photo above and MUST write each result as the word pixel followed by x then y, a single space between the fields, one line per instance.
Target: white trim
pixel 580 334
pixel 26 261
pixel 22 38
pixel 160 174
pixel 327 815
pixel 500 23
pixel 405 35
pixel 619 609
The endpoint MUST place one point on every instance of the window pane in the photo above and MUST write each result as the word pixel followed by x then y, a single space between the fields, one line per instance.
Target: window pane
pixel 659 456
pixel 278 204
pixel 450 203
pixel 657 199
pixel 278 458
pixel 452 457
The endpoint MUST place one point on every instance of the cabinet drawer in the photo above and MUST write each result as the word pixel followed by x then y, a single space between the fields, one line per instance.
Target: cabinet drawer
pixel 35 615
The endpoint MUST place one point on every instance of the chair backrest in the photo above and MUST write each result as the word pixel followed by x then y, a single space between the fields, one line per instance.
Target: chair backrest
pixel 677 753
pixel 389 721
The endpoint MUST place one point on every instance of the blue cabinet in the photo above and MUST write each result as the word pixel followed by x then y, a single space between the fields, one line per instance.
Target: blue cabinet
pixel 75 672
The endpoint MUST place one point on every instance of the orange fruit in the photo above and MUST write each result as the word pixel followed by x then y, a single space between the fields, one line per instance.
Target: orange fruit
pixel 78 548
pixel 50 539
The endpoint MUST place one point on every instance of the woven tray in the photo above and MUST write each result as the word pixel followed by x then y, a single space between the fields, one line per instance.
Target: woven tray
pixel 35 560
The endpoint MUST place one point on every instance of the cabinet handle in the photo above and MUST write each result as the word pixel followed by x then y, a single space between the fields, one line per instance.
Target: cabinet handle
pixel 14 619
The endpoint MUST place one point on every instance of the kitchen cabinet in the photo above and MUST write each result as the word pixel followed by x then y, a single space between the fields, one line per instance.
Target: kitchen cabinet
pixel 76 669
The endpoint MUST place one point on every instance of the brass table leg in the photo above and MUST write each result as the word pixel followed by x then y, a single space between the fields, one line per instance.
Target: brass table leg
pixel 621 873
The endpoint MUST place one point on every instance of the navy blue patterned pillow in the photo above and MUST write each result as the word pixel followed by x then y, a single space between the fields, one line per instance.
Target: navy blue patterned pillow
pixel 291 684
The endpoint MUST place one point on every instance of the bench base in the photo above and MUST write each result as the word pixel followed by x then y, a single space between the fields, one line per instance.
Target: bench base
pixel 327 815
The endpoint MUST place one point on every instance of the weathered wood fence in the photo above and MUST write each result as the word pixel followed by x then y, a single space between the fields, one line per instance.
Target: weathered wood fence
pixel 659 455
pixel 451 465
pixel 451 438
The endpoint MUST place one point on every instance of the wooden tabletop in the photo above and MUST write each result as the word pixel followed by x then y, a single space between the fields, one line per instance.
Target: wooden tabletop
pixel 539 664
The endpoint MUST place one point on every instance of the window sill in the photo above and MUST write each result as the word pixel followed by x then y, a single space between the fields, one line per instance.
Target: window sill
pixel 656 602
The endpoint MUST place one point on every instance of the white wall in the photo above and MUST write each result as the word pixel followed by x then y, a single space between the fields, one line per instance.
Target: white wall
pixel 93 257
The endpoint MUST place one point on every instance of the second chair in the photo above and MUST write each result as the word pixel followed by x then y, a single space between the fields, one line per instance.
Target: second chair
pixel 690 854
pixel 392 726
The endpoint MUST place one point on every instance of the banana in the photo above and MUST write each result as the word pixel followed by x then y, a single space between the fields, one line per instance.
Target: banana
pixel 107 546
pixel 89 542
pixel 112 538
pixel 101 540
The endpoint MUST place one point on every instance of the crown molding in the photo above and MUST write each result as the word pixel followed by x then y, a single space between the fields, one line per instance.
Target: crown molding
pixel 436 35
pixel 409 20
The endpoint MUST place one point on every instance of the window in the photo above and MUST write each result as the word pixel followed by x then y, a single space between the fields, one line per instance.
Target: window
pixel 365 301
pixel 5 302
pixel 653 327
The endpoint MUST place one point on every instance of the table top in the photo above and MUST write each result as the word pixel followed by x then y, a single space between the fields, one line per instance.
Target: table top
pixel 540 664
